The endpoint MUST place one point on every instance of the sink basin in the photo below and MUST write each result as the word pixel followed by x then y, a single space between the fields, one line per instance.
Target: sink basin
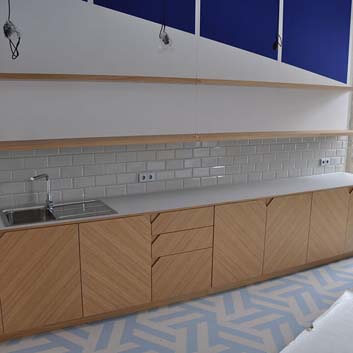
pixel 20 216
pixel 92 208
pixel 65 211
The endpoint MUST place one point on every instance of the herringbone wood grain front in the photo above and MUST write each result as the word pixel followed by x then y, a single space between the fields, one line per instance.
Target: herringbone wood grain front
pixel 238 242
pixel 116 264
pixel 40 277
pixel 181 274
pixel 287 232
pixel 328 224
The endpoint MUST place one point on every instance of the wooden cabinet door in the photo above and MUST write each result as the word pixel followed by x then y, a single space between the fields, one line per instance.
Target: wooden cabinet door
pixel 116 264
pixel 349 234
pixel 182 274
pixel 40 277
pixel 1 327
pixel 328 224
pixel 287 232
pixel 238 242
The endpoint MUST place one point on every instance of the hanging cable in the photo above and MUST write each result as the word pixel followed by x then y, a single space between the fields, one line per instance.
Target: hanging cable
pixel 12 34
pixel 163 35
pixel 277 43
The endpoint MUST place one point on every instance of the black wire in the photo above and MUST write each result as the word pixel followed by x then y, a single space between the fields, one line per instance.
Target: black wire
pixel 164 18
pixel 164 12
pixel 9 7
pixel 13 46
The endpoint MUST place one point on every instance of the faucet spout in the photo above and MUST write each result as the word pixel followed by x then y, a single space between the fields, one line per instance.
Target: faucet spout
pixel 49 200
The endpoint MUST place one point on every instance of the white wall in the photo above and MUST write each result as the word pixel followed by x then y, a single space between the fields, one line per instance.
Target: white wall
pixel 71 36
pixel 222 109
pixel 40 110
pixel 75 37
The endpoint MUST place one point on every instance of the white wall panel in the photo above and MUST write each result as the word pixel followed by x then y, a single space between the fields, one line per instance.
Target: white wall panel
pixel 221 61
pixel 71 36
pixel 227 109
pixel 41 110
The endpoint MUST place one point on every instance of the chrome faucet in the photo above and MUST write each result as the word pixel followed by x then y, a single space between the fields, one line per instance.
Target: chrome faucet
pixel 49 201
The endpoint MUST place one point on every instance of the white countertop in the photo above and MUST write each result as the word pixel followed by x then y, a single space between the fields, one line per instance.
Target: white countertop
pixel 172 200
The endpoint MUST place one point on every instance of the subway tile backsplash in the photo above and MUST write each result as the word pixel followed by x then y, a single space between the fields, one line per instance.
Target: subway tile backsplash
pixel 94 172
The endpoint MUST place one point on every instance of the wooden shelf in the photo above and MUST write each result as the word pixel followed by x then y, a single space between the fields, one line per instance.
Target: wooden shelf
pixel 157 139
pixel 166 80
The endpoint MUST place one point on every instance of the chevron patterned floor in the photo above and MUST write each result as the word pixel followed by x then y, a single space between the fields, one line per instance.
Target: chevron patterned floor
pixel 256 319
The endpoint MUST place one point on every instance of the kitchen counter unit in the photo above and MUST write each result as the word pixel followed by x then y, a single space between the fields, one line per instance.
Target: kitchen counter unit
pixel 173 200
pixel 162 248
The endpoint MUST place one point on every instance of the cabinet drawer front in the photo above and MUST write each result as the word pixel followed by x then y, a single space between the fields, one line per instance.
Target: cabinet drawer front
pixel 182 220
pixel 178 275
pixel 178 242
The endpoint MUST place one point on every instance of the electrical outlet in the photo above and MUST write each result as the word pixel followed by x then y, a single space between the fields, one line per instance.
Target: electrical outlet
pixel 151 176
pixel 143 178
pixel 325 161
pixel 147 177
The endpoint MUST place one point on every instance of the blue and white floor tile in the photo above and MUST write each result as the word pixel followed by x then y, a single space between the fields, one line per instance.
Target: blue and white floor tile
pixel 262 318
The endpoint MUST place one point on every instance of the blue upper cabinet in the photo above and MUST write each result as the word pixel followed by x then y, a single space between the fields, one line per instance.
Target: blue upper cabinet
pixel 251 25
pixel 179 14
pixel 316 36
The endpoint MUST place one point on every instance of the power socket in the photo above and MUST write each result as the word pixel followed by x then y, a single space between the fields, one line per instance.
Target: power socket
pixel 147 177
pixel 324 162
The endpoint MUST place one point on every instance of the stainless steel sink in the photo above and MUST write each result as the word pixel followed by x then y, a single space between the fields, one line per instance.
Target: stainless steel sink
pixel 82 209
pixel 65 211
pixel 19 216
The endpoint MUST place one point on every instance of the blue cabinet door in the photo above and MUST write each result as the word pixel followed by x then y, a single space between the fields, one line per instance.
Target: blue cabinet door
pixel 316 36
pixel 251 25
pixel 179 14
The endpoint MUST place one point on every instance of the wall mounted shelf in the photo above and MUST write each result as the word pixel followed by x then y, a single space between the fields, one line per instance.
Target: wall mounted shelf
pixel 158 139
pixel 166 80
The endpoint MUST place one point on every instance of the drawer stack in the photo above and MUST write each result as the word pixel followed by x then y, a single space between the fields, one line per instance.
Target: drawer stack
pixel 182 252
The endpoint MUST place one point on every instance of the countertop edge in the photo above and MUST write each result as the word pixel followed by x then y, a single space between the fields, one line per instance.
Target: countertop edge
pixel 133 205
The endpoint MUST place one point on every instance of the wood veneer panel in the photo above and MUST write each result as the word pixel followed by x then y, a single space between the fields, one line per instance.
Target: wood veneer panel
pixel 182 220
pixel 40 277
pixel 181 274
pixel 151 305
pixel 328 224
pixel 128 140
pixel 238 242
pixel 168 80
pixel 349 234
pixel 1 326
pixel 116 264
pixel 178 242
pixel 287 232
